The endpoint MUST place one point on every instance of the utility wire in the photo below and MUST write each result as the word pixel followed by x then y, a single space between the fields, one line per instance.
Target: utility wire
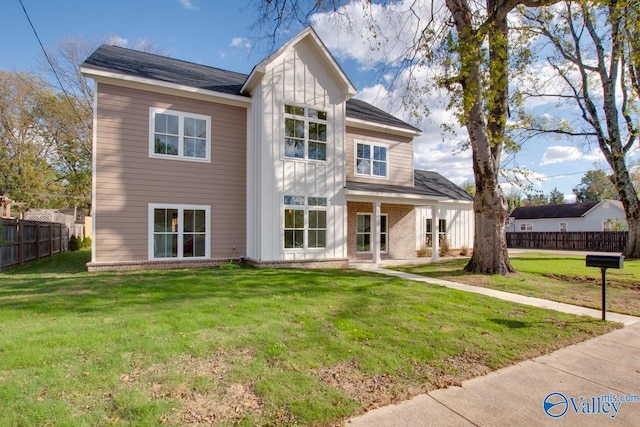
pixel 55 72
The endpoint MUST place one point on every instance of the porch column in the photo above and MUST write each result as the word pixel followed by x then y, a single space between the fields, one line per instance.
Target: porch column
pixel 375 231
pixel 435 234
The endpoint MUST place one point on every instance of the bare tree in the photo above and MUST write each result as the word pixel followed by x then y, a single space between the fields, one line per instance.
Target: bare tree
pixel 596 60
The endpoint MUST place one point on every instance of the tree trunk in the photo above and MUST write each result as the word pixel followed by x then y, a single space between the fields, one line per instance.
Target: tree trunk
pixel 630 202
pixel 486 134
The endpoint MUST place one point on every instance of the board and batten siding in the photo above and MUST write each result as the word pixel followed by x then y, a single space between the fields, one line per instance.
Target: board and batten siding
pixel 297 77
pixel 127 179
pixel 399 156
pixel 460 223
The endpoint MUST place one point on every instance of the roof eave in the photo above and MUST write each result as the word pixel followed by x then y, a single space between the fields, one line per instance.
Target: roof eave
pixel 368 125
pixel 399 198
pixel 115 77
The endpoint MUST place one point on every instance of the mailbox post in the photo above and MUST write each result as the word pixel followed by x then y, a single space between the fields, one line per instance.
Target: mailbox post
pixel 603 262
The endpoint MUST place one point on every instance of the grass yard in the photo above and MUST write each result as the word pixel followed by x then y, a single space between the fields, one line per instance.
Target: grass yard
pixel 563 278
pixel 247 346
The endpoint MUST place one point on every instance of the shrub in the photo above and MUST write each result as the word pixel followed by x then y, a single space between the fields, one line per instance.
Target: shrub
pixel 424 251
pixel 86 242
pixel 464 251
pixel 74 243
pixel 444 247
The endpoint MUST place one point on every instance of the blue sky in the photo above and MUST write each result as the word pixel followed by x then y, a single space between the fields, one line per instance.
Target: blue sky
pixel 217 33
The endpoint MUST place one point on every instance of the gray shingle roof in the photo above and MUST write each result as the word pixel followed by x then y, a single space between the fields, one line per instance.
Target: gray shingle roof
pixel 162 68
pixel 357 109
pixel 426 183
pixel 570 210
pixel 155 67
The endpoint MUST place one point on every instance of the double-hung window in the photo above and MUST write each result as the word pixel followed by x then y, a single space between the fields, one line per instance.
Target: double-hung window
pixel 305 224
pixel 305 133
pixel 179 231
pixel 179 135
pixel 363 232
pixel 371 159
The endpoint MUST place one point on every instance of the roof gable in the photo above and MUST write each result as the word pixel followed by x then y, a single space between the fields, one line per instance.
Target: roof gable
pixel 307 34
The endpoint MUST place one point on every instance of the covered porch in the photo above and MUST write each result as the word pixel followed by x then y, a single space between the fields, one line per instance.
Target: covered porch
pixel 383 225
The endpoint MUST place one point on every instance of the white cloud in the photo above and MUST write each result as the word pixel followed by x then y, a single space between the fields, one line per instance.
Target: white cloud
pixel 240 42
pixel 117 41
pixel 372 33
pixel 563 153
pixel 188 4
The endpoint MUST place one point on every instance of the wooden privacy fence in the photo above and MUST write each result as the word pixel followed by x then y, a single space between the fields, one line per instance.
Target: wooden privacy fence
pixel 23 241
pixel 599 241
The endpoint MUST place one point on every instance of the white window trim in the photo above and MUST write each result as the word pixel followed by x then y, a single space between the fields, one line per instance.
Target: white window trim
pixel 566 226
pixel 306 208
pixel 181 209
pixel 527 226
pixel 306 120
pixel 181 116
pixel 355 159
pixel 372 215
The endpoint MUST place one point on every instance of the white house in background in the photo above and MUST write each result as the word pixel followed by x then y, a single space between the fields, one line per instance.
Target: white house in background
pixel 280 167
pixel 607 215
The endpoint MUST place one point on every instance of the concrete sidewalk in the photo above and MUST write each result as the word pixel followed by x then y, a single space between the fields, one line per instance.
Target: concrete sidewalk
pixel 586 378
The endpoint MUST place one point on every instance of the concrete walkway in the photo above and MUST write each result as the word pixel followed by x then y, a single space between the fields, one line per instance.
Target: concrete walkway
pixel 582 384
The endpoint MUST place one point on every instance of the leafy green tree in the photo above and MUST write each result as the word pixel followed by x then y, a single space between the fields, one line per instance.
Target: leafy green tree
pixel 594 186
pixel 556 197
pixel 25 170
pixel 536 199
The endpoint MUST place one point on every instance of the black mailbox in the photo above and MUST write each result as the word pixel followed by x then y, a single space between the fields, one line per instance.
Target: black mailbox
pixel 605 261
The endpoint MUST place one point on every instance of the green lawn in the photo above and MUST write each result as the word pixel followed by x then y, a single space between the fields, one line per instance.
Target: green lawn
pixel 563 278
pixel 248 346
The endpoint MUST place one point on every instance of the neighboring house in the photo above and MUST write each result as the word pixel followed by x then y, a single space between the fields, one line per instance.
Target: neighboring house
pixel 194 165
pixel 607 215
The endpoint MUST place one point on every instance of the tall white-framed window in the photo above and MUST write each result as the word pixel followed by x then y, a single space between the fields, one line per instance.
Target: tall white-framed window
pixel 364 234
pixel 371 159
pixel 563 227
pixel 442 231
pixel 305 222
pixel 179 135
pixel 179 231
pixel 305 133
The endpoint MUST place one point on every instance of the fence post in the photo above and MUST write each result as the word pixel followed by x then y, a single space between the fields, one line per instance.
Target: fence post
pixel 50 239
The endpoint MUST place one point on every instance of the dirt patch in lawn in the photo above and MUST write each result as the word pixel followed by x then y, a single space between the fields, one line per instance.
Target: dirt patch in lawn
pixel 374 391
pixel 595 281
pixel 203 389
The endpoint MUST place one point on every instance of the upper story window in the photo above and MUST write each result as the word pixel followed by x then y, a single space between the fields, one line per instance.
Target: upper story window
pixel 179 135
pixel 305 133
pixel 371 159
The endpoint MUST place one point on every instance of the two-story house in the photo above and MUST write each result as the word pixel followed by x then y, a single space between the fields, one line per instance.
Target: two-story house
pixel 194 165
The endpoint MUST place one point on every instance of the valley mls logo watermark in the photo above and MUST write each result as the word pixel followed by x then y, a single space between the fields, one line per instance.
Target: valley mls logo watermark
pixel 556 404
